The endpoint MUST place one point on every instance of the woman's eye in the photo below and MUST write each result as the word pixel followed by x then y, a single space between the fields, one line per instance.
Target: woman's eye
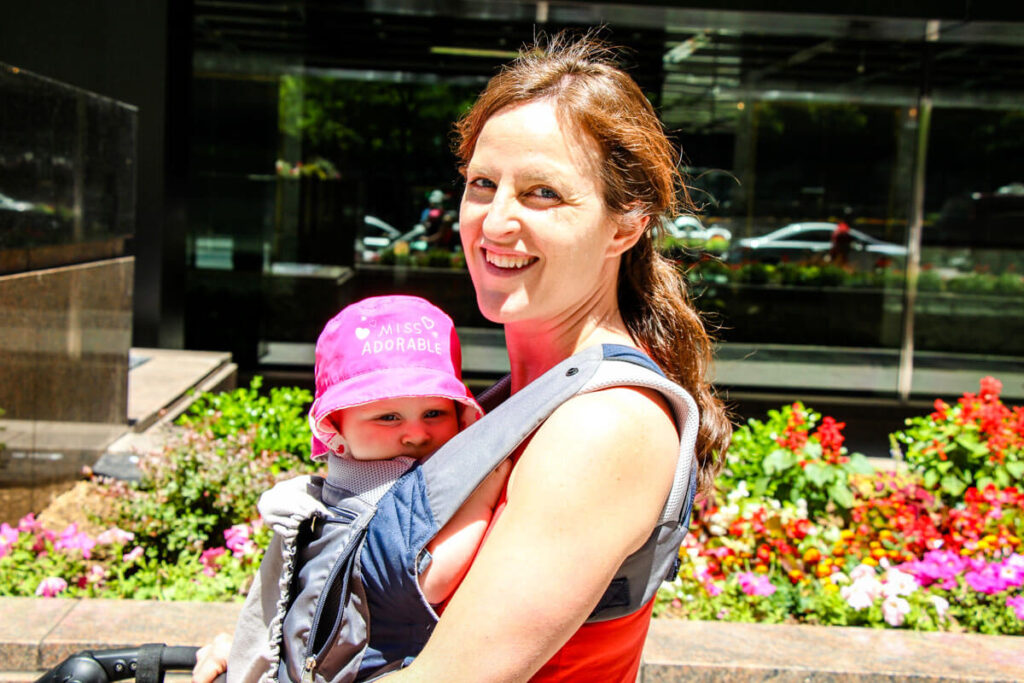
pixel 546 193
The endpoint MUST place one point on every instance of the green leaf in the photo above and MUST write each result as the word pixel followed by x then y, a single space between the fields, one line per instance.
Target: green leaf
pixel 971 444
pixel 840 494
pixel 778 460
pixel 982 482
pixel 818 474
pixel 1002 478
pixel 931 479
pixel 1016 469
pixel 952 485
pixel 859 464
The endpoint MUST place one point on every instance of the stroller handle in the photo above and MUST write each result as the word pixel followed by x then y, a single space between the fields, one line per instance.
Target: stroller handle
pixel 146 663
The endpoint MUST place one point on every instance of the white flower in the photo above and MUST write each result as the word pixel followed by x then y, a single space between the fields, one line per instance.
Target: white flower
pixel 739 492
pixel 862 571
pixel 898 583
pixel 839 578
pixel 895 610
pixel 941 605
pixel 856 596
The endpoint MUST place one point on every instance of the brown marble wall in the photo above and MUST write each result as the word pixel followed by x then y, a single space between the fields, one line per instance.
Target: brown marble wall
pixel 65 334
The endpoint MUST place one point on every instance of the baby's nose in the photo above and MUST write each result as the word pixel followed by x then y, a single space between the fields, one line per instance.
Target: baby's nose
pixel 416 436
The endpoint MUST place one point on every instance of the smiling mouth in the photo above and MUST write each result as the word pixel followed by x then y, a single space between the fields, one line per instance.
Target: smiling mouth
pixel 514 262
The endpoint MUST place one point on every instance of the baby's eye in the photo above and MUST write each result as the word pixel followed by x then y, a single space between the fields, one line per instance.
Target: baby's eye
pixel 390 417
pixel 435 413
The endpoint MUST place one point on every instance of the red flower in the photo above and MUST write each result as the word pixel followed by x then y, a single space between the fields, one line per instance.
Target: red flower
pixel 830 437
pixel 990 388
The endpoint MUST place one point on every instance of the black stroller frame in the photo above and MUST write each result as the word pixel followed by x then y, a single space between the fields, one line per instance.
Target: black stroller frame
pixel 146 664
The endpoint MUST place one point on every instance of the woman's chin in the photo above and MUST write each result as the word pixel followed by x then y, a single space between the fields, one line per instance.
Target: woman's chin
pixel 500 308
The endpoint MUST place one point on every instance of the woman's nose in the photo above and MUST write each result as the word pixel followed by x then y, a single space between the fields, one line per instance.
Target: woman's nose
pixel 502 218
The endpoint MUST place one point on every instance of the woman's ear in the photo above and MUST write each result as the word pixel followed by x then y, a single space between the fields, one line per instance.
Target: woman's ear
pixel 629 228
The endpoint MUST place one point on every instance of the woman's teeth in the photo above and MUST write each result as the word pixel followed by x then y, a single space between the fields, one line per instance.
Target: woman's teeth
pixel 506 261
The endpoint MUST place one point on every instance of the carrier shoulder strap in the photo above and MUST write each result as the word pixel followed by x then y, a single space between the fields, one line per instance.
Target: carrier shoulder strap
pixel 472 454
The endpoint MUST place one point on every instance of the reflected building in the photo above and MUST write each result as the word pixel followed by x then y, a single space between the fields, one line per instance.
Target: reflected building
pixel 296 156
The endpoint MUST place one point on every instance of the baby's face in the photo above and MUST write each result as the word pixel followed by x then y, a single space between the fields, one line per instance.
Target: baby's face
pixel 413 427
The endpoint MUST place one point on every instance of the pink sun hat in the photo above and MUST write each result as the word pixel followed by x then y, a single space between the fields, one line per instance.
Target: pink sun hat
pixel 380 348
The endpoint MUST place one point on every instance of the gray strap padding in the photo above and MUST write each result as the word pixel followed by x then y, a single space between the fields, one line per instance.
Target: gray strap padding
pixel 686 415
pixel 472 454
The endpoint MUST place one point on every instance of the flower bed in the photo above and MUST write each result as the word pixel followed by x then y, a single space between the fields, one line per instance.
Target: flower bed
pixel 799 530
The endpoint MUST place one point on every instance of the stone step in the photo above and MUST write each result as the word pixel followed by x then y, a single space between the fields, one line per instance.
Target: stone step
pixel 38 633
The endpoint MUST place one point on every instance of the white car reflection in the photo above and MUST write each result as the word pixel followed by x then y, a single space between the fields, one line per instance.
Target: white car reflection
pixel 690 227
pixel 800 241
pixel 377 235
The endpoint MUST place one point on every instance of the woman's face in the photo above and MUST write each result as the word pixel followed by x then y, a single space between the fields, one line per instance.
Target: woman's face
pixel 539 241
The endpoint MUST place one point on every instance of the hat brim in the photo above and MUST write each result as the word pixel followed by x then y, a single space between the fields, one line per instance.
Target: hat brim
pixel 381 385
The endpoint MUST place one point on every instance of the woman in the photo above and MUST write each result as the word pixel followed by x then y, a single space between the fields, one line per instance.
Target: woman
pixel 568 173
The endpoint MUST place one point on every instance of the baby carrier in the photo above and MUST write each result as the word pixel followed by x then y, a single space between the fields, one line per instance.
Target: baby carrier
pixel 363 557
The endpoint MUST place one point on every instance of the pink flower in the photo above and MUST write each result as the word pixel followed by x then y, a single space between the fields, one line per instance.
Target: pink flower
pixel 51 586
pixel 1017 603
pixel 115 536
pixel 73 539
pixel 209 560
pixel 895 610
pixel 755 584
pixel 95 574
pixel 238 540
pixel 936 565
pixel 8 536
pixel 28 524
pixel 134 555
pixel 713 588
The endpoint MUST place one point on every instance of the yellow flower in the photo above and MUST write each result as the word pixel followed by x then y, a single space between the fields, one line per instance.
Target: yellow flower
pixel 870 561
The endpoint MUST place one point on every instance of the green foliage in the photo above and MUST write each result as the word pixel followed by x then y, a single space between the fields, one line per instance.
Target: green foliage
pixel 929 281
pixel 195 488
pixel 756 273
pixel 977 442
pixel 973 283
pixel 279 419
pixel 781 458
pixel 104 567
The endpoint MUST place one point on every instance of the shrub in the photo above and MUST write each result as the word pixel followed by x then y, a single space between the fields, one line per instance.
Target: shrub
pixel 979 442
pixel 194 489
pixel 790 457
pixel 41 562
pixel 278 417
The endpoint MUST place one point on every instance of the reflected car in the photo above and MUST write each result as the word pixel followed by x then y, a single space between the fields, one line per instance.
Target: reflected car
pixel 811 240
pixel 378 235
pixel 690 227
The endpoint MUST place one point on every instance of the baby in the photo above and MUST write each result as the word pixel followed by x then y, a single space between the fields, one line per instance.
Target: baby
pixel 388 393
